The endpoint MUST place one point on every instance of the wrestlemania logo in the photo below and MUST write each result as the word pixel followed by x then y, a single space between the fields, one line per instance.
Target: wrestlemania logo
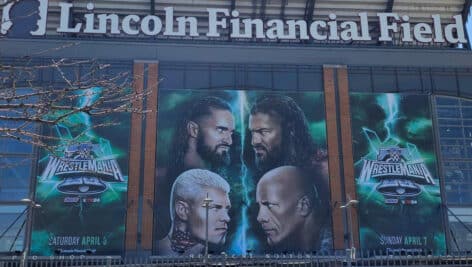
pixel 399 175
pixel 81 172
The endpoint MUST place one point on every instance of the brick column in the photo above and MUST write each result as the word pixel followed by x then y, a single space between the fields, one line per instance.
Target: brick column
pixel 150 157
pixel 134 161
pixel 339 138
pixel 142 158
pixel 346 137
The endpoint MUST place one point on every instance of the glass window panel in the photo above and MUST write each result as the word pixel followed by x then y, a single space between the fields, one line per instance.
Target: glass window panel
pixel 453 151
pixel 197 79
pixel 8 215
pixel 285 79
pixel 468 143
pixel 452 142
pixel 383 80
pixel 461 237
pixel 468 152
pixel 458 186
pixel 467 112
pixel 467 122
pixel 455 138
pixel 451 132
pixel 468 132
pixel 466 103
pixel 447 101
pixel 259 79
pixel 10 145
pixel 311 80
pixel 458 194
pixel 456 165
pixel 172 79
pixel 9 123
pixel 223 78
pixel 449 112
pixel 15 178
pixel 454 175
pixel 19 112
pixel 450 122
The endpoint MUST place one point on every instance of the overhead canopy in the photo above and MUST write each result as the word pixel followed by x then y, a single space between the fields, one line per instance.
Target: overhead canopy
pixel 418 10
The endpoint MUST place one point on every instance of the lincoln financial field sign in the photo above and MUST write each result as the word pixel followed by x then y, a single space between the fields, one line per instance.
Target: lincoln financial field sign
pixel 222 19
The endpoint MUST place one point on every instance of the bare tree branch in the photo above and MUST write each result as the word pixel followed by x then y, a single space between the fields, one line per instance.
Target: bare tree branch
pixel 26 105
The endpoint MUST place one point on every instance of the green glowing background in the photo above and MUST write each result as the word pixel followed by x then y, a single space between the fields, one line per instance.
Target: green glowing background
pixel 397 120
pixel 100 226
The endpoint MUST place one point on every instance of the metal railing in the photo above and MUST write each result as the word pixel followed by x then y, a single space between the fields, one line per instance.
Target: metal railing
pixel 340 258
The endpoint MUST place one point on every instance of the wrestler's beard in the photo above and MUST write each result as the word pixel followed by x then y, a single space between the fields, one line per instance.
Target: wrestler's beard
pixel 211 155
pixel 272 160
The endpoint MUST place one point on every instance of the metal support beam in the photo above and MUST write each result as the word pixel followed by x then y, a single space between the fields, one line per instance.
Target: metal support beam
pixel 283 5
pixel 232 7
pixel 465 16
pixel 254 8
pixel 466 9
pixel 262 10
pixel 389 7
pixel 153 7
pixel 309 8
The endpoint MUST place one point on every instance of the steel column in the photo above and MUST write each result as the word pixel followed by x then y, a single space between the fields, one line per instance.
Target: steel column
pixel 309 8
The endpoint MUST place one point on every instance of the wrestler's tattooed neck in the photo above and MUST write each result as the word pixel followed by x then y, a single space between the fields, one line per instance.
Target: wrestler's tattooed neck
pixel 181 241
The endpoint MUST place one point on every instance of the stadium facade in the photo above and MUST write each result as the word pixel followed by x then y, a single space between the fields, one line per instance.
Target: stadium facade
pixel 382 89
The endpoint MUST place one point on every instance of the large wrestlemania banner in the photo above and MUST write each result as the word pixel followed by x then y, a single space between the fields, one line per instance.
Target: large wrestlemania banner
pixel 258 157
pixel 396 174
pixel 82 185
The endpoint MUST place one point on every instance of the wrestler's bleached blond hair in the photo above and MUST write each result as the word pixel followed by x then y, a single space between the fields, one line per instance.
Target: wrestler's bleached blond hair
pixel 193 184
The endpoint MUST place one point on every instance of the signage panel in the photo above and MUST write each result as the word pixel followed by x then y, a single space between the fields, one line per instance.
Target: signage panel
pixel 82 185
pixel 259 156
pixel 30 17
pixel 396 174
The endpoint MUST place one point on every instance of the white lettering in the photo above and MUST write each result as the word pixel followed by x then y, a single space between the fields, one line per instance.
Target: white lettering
pixel 406 29
pixel 102 23
pixel 386 27
pixel 365 36
pixel 333 28
pixel 90 21
pixel 248 26
pixel 314 30
pixel 458 29
pixel 438 33
pixel 276 29
pixel 350 31
pixel 156 25
pixel 422 32
pixel 126 24
pixel 192 25
pixel 64 21
pixel 214 23
pixel 292 29
pixel 181 26
pixel 330 29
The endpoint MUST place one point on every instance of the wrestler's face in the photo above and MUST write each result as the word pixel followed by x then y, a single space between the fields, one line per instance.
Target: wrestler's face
pixel 218 217
pixel 215 137
pixel 277 215
pixel 266 139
